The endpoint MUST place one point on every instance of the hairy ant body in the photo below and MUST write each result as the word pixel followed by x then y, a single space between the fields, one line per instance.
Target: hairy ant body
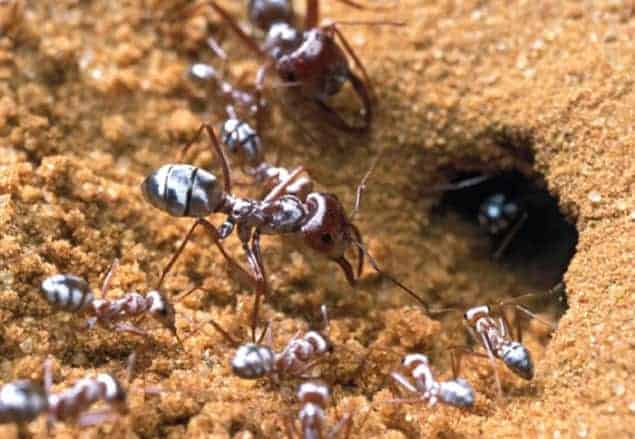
pixel 23 401
pixel 318 220
pixel 310 59
pixel 489 327
pixel 314 397
pixel 73 294
pixel 457 392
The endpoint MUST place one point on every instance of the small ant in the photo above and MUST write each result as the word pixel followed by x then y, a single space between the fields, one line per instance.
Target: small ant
pixel 234 96
pixel 22 401
pixel 500 215
pixel 257 360
pixel 245 145
pixel 314 397
pixel 73 294
pixel 489 327
pixel 318 221
pixel 310 59
pixel 457 392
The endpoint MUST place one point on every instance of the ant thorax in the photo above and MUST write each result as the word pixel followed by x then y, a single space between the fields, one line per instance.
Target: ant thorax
pixel 287 214
pixel 282 39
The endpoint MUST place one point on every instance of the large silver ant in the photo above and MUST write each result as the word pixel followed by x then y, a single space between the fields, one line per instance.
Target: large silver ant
pixel 314 397
pixel 23 401
pixel 318 221
pixel 73 294
pixel 310 60
pixel 426 388
pixel 490 328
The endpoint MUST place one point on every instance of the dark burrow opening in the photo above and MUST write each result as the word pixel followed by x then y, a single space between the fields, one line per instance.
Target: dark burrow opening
pixel 512 221
pixel 540 238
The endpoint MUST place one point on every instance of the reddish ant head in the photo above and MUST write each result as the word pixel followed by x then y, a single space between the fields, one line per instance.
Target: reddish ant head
pixel 318 64
pixel 329 232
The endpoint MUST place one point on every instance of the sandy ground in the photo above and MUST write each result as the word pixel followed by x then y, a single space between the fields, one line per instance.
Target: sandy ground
pixel 93 96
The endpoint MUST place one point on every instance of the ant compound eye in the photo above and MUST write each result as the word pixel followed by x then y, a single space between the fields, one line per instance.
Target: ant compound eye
pixel 327 239
pixel 290 76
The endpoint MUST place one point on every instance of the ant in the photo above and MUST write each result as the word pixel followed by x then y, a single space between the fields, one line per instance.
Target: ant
pixel 318 220
pixel 489 327
pixel 499 214
pixel 23 401
pixel 456 392
pixel 314 397
pixel 73 294
pixel 257 360
pixel 310 59
pixel 245 145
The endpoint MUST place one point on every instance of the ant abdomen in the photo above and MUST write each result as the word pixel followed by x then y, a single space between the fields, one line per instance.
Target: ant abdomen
pixel 242 141
pixel 183 190
pixel 67 292
pixel 21 401
pixel 253 361
pixel 457 393
pixel 518 359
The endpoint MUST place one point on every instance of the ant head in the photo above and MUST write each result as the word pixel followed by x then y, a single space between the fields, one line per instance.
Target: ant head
pixel 252 361
pixel 329 232
pixel 475 313
pixel 318 64
pixel 518 359
pixel 163 310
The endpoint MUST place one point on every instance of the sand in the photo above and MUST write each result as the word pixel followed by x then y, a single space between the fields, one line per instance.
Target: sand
pixel 93 96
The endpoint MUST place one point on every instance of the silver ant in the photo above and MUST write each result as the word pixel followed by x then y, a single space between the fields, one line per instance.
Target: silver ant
pixel 310 59
pixel 318 220
pixel 314 397
pixel 456 392
pixel 257 360
pixel 489 327
pixel 501 216
pixel 73 294
pixel 23 401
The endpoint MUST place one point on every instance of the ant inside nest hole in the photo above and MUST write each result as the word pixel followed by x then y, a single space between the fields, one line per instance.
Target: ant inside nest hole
pixel 515 242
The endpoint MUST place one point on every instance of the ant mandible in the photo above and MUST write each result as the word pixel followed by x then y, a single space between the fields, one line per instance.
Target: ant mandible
pixel 310 59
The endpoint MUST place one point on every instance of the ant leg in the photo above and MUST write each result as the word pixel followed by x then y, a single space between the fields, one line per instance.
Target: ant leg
pixel 403 382
pixel 109 274
pixel 312 14
pixel 338 121
pixel 95 417
pixel 280 188
pixel 215 148
pixel 257 269
pixel 467 183
pixel 509 236
pixel 344 423
pixel 217 240
pixel 249 41
pixel 456 358
pixel 492 361
pixel 260 84
pixel 48 374
pixel 332 27
pixel 291 428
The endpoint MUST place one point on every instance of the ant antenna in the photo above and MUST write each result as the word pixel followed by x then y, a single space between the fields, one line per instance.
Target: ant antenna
pixel 362 185
pixel 390 277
